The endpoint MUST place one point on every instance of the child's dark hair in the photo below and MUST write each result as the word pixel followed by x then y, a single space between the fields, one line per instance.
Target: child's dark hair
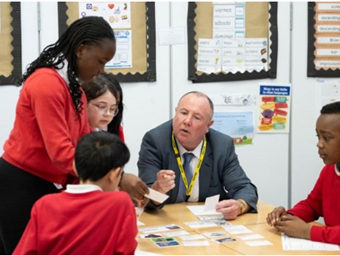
pixel 331 108
pixel 97 153
pixel 90 30
pixel 97 87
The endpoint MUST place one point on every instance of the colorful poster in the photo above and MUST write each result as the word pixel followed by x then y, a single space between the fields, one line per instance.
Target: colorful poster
pixel 123 56
pixel 237 124
pixel 274 108
pixel 118 14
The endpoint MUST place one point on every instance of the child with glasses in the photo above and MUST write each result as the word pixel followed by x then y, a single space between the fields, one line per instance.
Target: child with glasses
pixel 105 111
pixel 92 218
pixel 105 104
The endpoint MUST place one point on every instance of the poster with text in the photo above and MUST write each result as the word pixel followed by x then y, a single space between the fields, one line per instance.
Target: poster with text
pixel 273 109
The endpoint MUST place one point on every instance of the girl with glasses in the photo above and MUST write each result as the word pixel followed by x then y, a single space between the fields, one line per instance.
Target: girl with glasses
pixel 105 104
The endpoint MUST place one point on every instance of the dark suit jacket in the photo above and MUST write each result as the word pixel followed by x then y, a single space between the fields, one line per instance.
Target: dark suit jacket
pixel 220 167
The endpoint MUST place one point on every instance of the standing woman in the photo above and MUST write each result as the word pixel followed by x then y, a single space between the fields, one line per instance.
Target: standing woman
pixel 50 119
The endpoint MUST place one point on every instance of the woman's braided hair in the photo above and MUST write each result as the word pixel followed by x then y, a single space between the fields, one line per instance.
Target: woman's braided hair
pixel 90 30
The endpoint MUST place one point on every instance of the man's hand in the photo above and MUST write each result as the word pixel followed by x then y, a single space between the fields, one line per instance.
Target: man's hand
pixel 293 226
pixel 229 208
pixel 136 188
pixel 165 181
pixel 275 215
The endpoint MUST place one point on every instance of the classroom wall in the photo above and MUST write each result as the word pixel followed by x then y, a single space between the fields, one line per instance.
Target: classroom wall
pixel 283 166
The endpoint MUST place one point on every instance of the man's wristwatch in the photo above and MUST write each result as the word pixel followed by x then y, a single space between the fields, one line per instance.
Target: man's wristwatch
pixel 243 205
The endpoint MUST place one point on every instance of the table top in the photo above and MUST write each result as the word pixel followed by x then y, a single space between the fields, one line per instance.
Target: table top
pixel 178 214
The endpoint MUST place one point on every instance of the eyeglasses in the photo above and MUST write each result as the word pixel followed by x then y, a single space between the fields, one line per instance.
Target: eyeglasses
pixel 104 109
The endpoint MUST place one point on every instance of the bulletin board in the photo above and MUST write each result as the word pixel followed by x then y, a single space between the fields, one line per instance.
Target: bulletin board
pixel 143 40
pixel 323 39
pixel 260 22
pixel 10 41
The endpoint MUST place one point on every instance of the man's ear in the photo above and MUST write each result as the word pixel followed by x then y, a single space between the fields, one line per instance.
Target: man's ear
pixel 209 124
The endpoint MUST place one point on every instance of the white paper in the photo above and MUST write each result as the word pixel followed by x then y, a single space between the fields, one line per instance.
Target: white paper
pixel 237 229
pixel 251 237
pixel 199 210
pixel 196 243
pixel 139 252
pixel 140 223
pixel 156 196
pixel 215 234
pixel 192 237
pixel 298 244
pixel 155 229
pixel 173 35
pixel 176 233
pixel 200 224
pixel 258 243
pixel 210 203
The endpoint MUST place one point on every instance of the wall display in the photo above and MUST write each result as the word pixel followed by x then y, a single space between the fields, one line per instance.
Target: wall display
pixel 232 41
pixel 323 39
pixel 10 41
pixel 134 27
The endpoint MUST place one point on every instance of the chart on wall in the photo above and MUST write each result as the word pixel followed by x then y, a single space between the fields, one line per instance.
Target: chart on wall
pixel 324 39
pixel 134 27
pixel 232 41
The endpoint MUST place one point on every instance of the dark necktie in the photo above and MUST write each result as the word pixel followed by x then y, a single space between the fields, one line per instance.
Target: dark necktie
pixel 181 197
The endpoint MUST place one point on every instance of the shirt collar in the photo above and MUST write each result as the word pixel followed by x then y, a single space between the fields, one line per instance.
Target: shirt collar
pixel 63 71
pixel 82 188
pixel 336 170
pixel 196 151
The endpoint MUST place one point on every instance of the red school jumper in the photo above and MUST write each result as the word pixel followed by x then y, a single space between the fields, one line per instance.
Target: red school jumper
pixel 323 201
pixel 95 222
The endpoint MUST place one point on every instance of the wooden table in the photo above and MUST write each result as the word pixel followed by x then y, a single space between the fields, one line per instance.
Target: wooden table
pixel 179 213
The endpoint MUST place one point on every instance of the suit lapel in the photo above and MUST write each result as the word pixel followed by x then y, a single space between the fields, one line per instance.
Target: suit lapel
pixel 174 166
pixel 205 173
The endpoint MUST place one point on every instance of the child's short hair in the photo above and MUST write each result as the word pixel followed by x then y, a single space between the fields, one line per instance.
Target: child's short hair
pixel 97 153
pixel 331 108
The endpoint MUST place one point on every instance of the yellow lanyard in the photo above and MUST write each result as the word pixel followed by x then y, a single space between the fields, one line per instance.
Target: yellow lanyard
pixel 180 166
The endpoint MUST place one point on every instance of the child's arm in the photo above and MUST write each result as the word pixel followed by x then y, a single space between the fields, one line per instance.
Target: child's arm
pixel 325 234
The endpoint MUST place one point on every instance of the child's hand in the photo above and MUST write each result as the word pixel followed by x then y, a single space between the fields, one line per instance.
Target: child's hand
pixel 134 186
pixel 274 216
pixel 293 226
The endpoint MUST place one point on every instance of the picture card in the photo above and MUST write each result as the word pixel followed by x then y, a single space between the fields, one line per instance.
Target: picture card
pixel 165 242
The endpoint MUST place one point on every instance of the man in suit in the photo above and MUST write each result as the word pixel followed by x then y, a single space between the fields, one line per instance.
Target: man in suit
pixel 213 166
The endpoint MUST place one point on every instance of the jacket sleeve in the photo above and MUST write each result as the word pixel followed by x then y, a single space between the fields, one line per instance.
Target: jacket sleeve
pixel 149 163
pixel 28 242
pixel 236 181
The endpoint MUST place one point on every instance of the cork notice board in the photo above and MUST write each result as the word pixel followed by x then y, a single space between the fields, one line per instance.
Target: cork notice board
pixel 260 22
pixel 323 39
pixel 143 40
pixel 10 42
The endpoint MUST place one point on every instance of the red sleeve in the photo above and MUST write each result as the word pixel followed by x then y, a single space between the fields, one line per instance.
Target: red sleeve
pixel 51 104
pixel 28 242
pixel 126 241
pixel 325 234
pixel 121 133
pixel 310 209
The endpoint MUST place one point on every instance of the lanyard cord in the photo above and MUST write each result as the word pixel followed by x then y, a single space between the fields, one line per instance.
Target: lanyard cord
pixel 180 166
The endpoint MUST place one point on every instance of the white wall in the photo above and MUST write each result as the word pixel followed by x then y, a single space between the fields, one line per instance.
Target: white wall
pixel 306 163
pixel 272 157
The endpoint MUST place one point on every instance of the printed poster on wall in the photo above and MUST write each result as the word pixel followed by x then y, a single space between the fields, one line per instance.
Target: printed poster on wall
pixel 118 15
pixel 237 124
pixel 273 109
